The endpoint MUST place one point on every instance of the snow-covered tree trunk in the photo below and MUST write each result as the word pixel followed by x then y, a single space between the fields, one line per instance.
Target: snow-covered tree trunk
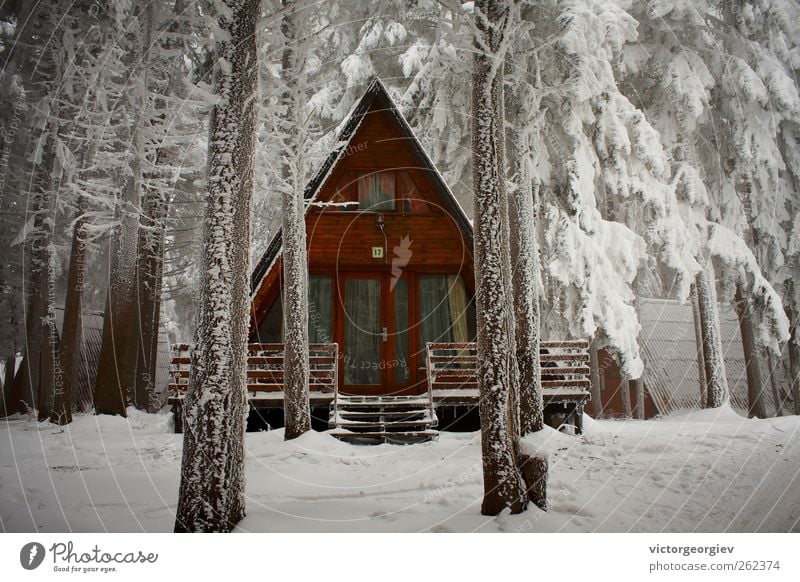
pixel 502 480
pixel 150 243
pixel 51 377
pixel 698 339
pixel 150 264
pixel 713 363
pixel 793 345
pixel 794 366
pixel 211 496
pixel 755 387
pixel 638 390
pixel 525 268
pixel 295 267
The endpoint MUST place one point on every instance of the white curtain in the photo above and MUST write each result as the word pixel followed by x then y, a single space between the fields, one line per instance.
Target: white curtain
pixel 362 334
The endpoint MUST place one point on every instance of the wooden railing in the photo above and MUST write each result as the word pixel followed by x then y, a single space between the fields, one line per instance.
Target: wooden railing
pixel 264 368
pixel 564 367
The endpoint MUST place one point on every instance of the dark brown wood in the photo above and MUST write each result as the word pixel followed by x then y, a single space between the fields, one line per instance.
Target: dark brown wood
pixel 340 241
pixel 597 400
pixel 71 326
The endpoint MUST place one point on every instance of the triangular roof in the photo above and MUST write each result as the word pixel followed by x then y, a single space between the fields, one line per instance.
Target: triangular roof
pixel 376 94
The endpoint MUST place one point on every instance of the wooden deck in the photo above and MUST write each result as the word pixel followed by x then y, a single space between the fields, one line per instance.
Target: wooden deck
pixel 451 371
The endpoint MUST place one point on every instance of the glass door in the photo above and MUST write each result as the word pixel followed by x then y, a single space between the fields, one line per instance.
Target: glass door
pixel 364 332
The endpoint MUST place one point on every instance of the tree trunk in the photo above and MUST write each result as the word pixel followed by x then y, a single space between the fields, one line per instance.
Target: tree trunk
pixel 6 404
pixel 525 269
pixel 503 482
pixel 295 268
pixel 794 344
pixel 713 362
pixel 755 386
pixel 211 496
pixel 773 384
pixel 638 389
pixel 73 314
pixel 26 382
pixel 51 378
pixel 116 372
pixel 794 367
pixel 698 339
pixel 625 387
pixel 150 259
pixel 597 394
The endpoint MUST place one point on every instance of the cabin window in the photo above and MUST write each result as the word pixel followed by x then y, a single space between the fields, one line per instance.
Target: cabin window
pixel 446 312
pixel 320 314
pixel 320 309
pixel 271 329
pixel 376 192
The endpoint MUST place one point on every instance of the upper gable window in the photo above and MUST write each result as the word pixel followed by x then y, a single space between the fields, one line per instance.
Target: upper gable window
pixel 376 192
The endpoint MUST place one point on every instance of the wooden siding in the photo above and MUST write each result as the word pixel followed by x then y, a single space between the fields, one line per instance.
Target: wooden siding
pixel 340 240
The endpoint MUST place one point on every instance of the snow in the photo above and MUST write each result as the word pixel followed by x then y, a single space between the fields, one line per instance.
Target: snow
pixel 709 470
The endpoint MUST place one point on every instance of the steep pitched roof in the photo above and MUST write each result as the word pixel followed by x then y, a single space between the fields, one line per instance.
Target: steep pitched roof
pixel 375 94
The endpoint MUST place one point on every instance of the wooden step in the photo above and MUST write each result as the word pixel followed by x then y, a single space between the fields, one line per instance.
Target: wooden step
pixel 383 405
pixel 394 438
pixel 399 414
pixel 383 419
pixel 390 426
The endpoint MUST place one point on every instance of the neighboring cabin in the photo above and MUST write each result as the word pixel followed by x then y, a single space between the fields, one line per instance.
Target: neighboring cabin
pixel 670 377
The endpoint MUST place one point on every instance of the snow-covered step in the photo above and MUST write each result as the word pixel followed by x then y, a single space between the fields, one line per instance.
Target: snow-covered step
pixel 380 437
pixel 380 419
pixel 394 414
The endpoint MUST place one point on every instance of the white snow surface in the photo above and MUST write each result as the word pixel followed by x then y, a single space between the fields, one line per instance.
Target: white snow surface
pixel 708 470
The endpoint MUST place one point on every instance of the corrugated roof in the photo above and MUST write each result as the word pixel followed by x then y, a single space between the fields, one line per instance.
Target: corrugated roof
pixel 670 353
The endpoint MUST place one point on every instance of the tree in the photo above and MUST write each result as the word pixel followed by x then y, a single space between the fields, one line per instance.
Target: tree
pixel 755 387
pixel 90 117
pixel 503 484
pixel 525 117
pixel 41 373
pixel 295 267
pixel 211 496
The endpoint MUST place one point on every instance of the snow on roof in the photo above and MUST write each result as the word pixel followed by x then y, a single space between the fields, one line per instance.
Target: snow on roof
pixel 669 350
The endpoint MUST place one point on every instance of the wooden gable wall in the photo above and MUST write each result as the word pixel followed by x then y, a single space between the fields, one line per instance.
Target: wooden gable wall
pixel 341 240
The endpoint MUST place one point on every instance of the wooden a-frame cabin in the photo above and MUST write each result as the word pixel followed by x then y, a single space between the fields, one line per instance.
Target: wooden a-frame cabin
pixel 391 287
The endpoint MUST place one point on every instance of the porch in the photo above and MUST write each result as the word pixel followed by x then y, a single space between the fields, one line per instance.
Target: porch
pixel 450 384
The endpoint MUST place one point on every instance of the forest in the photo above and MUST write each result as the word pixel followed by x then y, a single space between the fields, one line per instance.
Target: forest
pixel 605 152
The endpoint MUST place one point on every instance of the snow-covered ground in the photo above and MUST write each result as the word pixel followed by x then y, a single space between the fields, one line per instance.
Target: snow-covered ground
pixel 700 471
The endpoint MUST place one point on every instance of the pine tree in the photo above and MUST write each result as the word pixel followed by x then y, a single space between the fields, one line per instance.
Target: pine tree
pixel 211 496
pixel 295 268
pixel 525 266
pixel 502 481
